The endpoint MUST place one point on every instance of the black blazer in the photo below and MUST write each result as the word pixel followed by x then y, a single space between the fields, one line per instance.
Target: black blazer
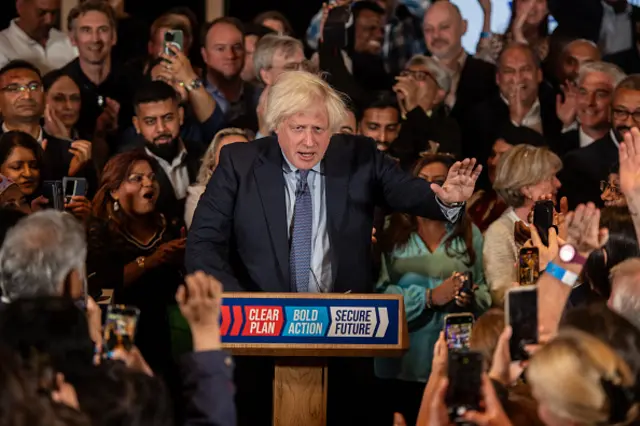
pixel 565 142
pixel 167 203
pixel 477 83
pixel 584 168
pixel 239 231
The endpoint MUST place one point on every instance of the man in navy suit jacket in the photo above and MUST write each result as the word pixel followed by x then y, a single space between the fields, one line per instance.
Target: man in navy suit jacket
pixel 243 226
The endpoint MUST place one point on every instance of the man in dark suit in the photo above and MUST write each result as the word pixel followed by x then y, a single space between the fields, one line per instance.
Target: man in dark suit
pixel 248 230
pixel 157 122
pixel 585 168
pixel 473 79
pixel 522 102
pixel 294 213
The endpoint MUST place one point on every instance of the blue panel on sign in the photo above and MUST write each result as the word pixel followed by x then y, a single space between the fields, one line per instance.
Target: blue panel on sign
pixel 313 321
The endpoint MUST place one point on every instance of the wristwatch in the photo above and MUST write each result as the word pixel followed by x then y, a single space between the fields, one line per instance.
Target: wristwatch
pixel 195 84
pixel 569 254
pixel 140 261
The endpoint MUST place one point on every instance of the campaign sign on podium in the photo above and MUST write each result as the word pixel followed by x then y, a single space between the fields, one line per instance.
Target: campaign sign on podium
pixel 269 322
pixel 301 331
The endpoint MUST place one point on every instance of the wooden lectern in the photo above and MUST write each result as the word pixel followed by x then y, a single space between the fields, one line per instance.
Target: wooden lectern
pixel 302 331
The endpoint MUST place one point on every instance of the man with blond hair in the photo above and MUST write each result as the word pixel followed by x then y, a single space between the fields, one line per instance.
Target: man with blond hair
pixel 294 211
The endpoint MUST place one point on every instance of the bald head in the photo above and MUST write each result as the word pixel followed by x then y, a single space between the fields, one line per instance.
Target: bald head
pixel 443 28
pixel 574 55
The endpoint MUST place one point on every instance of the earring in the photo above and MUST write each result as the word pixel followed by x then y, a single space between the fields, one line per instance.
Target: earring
pixel 116 206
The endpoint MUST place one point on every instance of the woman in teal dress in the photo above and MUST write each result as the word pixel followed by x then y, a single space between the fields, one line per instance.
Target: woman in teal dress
pixel 420 260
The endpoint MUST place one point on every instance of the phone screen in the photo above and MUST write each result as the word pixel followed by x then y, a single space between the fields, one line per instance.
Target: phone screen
pixel 465 380
pixel 457 331
pixel 528 266
pixel 120 328
pixel 522 316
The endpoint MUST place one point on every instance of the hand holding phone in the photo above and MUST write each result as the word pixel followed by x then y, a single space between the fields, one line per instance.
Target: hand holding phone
pixel 543 211
pixel 173 38
pixel 120 328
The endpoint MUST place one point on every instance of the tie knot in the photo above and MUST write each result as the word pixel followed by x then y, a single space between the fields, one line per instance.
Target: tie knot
pixel 303 175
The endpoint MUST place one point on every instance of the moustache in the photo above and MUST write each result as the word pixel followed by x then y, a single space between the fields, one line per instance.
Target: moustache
pixel 163 136
pixel 440 41
pixel 27 103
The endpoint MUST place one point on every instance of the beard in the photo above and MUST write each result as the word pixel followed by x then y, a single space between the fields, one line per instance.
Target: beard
pixel 166 151
pixel 618 132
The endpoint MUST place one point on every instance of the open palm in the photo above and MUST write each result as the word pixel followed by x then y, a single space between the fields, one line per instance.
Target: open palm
pixel 630 165
pixel 460 183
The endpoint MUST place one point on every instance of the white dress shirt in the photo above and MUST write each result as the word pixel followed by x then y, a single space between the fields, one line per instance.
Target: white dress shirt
pixel 615 30
pixel 585 139
pixel 176 172
pixel 16 44
pixel 40 137
pixel 532 118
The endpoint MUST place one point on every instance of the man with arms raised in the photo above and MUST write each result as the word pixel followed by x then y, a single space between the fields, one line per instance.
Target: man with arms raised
pixel 294 212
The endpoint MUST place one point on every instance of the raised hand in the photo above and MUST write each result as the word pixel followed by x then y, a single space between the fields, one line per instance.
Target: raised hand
pixel 584 231
pixel 53 125
pixel 460 183
pixel 629 154
pixel 516 109
pixel 485 5
pixel 81 151
pixel 522 11
pixel 567 104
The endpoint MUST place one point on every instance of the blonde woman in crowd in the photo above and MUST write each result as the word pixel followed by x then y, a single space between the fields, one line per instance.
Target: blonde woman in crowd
pixel 524 175
pixel 579 380
pixel 209 163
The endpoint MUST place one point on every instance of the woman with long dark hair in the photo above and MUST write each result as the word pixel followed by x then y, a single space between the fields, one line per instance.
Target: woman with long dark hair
pixel 422 260
pixel 134 251
pixel 529 24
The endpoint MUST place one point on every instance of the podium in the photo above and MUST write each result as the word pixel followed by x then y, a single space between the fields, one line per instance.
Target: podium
pixel 301 331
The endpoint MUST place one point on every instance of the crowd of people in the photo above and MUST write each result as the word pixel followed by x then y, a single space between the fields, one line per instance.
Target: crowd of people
pixel 372 154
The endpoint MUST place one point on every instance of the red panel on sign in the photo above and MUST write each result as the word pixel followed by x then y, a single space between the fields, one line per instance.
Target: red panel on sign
pixel 263 321
pixel 237 320
pixel 226 320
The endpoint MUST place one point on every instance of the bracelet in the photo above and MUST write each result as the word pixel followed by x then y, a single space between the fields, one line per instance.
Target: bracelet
pixel 485 34
pixel 429 298
pixel 558 272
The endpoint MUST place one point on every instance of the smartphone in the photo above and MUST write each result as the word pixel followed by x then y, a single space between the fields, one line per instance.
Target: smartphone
pixel 175 38
pixel 73 186
pixel 335 27
pixel 543 219
pixel 120 328
pixel 457 330
pixel 521 313
pixel 465 383
pixel 528 265
pixel 52 191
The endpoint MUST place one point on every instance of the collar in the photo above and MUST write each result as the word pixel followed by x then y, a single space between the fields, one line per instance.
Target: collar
pixel 177 161
pixel 16 31
pixel 287 167
pixel 608 9
pixel 535 108
pixel 584 139
pixel 462 59
pixel 613 138
pixel 511 214
pixel 40 137
pixel 210 87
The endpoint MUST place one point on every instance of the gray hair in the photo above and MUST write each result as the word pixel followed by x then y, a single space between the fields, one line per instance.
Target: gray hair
pixel 209 158
pixel 613 71
pixel 267 47
pixel 439 73
pixel 297 91
pixel 625 290
pixel 39 253
pixel 579 41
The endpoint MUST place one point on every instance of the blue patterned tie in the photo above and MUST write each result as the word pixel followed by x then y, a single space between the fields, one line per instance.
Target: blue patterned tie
pixel 300 252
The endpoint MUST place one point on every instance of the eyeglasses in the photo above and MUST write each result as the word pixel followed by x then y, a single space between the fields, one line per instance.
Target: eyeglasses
pixel 137 179
pixel 417 75
pixel 606 185
pixel 20 88
pixel 623 114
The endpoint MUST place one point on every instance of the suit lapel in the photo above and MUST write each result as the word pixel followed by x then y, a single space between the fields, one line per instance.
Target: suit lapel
pixel 336 170
pixel 270 183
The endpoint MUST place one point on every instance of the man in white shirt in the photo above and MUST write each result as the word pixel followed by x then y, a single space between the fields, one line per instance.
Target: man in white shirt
pixel 32 37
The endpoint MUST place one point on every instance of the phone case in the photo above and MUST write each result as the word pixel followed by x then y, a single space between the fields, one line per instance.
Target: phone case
pixel 517 352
